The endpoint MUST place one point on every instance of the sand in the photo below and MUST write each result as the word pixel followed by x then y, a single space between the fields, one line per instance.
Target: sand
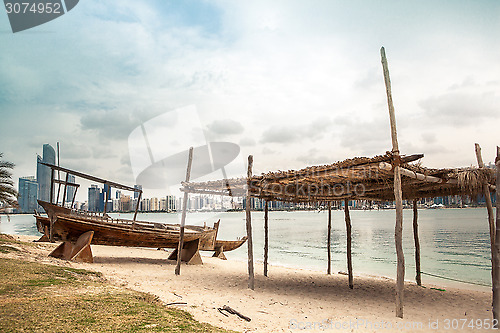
pixel 287 300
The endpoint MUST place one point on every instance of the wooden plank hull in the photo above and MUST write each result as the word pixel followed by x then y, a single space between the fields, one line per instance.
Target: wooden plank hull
pixel 230 245
pixel 68 226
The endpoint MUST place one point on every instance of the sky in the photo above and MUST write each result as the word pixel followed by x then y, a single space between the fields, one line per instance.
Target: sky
pixel 294 83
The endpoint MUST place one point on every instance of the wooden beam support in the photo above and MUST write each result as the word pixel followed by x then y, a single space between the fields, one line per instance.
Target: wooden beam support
pixel 183 218
pixel 414 175
pixel 266 236
pixel 489 208
pixel 398 193
pixel 349 243
pixel 496 261
pixel 329 241
pixel 251 276
pixel 418 276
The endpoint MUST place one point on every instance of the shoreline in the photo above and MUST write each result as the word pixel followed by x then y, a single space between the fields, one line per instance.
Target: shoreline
pixel 287 297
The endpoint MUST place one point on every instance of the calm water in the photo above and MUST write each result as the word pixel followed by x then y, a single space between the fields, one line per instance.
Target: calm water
pixel 454 242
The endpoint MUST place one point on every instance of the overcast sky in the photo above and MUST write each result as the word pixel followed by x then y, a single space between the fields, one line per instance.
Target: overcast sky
pixel 294 83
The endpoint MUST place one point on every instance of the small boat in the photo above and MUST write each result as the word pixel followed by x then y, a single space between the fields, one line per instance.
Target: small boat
pixel 78 229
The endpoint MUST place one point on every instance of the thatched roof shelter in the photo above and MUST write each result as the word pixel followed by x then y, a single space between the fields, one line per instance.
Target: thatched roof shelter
pixel 359 178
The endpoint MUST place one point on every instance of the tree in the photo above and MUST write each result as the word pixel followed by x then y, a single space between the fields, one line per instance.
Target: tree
pixel 8 194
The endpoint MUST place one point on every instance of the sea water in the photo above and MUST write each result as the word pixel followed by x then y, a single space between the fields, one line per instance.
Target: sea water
pixel 454 242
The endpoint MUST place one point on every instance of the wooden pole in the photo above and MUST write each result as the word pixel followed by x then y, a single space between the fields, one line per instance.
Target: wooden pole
pixel 183 218
pixel 398 194
pixel 418 276
pixel 266 236
pixel 496 261
pixel 251 277
pixel 489 208
pixel 137 205
pixel 329 242
pixel 65 189
pixel 349 243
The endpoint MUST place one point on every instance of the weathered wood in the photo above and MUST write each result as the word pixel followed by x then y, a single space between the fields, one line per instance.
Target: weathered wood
pixel 79 251
pixel 398 194
pixel 418 276
pixel 190 253
pixel 496 262
pixel 489 208
pixel 329 239
pixel 65 190
pixel 137 206
pixel 266 236
pixel 233 311
pixel 414 175
pixel 349 243
pixel 251 277
pixel 183 218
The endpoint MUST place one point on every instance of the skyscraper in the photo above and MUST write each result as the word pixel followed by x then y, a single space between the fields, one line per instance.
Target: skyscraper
pixel 96 199
pixel 43 173
pixel 28 188
pixel 137 187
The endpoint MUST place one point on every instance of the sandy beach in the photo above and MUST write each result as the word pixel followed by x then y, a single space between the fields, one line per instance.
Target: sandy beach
pixel 289 300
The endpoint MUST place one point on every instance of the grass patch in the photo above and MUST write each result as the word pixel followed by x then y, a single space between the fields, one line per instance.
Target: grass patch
pixel 43 298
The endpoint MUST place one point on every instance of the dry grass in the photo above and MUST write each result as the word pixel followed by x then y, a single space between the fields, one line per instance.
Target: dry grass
pixel 43 298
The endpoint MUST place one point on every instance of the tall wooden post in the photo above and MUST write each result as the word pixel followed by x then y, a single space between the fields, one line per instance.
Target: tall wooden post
pixel 251 277
pixel 266 236
pixel 418 276
pixel 329 241
pixel 349 243
pixel 183 218
pixel 489 208
pixel 398 194
pixel 496 262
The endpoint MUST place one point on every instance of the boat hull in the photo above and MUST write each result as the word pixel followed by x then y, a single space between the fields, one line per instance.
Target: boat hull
pixel 68 226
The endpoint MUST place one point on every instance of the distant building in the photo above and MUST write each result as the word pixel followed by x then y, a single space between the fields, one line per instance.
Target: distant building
pixel 28 190
pixel 43 173
pixel 70 190
pixel 96 199
pixel 125 203
pixel 171 203
pixel 137 187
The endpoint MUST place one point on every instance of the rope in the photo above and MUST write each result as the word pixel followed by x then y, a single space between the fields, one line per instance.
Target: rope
pixel 457 280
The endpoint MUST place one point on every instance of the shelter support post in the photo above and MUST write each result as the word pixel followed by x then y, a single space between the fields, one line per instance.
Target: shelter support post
pixel 183 218
pixel 349 243
pixel 398 194
pixel 418 276
pixel 251 277
pixel 496 262
pixel 329 241
pixel 489 208
pixel 266 236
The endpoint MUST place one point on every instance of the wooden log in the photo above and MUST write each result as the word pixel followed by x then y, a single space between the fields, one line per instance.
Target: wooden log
pixel 329 241
pixel 266 236
pixel 349 243
pixel 414 175
pixel 183 218
pixel 251 277
pixel 489 208
pixel 398 194
pixel 418 276
pixel 496 262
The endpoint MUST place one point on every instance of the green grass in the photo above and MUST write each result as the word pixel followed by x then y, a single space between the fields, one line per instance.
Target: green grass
pixel 43 298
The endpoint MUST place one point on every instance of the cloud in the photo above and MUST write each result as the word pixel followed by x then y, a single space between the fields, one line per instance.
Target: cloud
pixel 460 108
pixel 314 130
pixel 223 127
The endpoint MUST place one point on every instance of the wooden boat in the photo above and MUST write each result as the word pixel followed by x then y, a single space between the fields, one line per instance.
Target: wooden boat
pixel 78 229
pixel 69 224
